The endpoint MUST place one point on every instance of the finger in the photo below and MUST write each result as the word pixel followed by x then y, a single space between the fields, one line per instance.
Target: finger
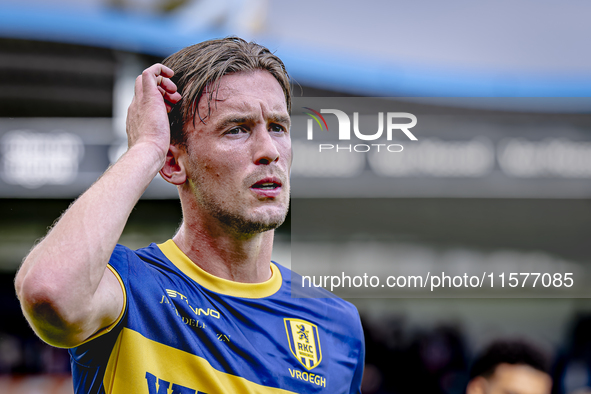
pixel 165 71
pixel 160 69
pixel 173 98
pixel 151 78
pixel 155 75
pixel 138 86
pixel 168 85
pixel 168 107
pixel 148 82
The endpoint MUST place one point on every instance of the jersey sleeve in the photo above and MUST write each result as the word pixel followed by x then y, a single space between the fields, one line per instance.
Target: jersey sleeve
pixel 119 266
pixel 90 358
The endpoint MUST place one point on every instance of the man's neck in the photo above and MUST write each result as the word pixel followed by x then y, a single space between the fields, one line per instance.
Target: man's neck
pixel 222 254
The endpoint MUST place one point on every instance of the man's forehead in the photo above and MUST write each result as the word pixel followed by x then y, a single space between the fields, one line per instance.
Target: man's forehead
pixel 247 90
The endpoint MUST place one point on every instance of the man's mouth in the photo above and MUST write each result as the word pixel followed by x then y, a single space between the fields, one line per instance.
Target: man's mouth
pixel 267 187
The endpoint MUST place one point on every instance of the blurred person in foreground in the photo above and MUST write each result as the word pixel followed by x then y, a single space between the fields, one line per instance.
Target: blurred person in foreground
pixel 206 311
pixel 510 367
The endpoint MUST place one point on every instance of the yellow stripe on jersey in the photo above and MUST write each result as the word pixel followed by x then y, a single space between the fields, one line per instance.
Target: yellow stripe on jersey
pixel 139 365
pixel 107 329
pixel 219 285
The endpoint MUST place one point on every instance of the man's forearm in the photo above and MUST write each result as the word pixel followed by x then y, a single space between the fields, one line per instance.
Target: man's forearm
pixel 62 273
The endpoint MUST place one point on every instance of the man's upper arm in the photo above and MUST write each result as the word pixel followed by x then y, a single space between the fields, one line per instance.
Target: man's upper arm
pixel 64 327
pixel 110 305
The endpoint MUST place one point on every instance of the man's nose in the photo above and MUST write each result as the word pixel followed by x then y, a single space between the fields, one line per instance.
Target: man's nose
pixel 265 148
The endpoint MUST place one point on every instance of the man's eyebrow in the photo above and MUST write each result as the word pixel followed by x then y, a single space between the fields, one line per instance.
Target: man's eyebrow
pixel 234 120
pixel 280 118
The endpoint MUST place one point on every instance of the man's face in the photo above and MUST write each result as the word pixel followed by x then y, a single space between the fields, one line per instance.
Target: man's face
pixel 238 161
pixel 513 379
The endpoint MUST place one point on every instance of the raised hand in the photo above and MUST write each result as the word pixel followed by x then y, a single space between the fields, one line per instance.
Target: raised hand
pixel 147 119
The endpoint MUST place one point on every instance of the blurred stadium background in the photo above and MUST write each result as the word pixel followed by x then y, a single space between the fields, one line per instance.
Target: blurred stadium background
pixel 67 78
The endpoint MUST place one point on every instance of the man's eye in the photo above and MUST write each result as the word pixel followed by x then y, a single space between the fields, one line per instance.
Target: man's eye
pixel 235 130
pixel 277 128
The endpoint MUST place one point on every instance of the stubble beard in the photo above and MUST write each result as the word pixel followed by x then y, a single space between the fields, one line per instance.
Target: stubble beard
pixel 241 224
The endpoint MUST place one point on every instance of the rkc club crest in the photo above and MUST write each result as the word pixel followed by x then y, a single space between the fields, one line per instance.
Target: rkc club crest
pixel 304 342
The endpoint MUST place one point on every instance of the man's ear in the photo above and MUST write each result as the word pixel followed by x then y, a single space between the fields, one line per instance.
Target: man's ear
pixel 173 170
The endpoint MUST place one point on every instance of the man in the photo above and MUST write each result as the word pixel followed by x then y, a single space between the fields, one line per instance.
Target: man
pixel 510 367
pixel 206 311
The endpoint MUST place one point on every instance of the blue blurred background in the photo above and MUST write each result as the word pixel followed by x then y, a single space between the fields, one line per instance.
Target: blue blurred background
pixel 67 73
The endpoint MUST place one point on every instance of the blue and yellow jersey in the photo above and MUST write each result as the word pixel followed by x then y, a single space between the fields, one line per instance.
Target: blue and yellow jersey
pixel 184 331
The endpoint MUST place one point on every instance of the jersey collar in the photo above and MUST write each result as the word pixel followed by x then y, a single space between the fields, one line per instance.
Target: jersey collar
pixel 219 285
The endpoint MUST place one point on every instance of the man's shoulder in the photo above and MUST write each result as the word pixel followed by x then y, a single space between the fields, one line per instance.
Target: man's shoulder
pixel 123 257
pixel 146 250
pixel 152 250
